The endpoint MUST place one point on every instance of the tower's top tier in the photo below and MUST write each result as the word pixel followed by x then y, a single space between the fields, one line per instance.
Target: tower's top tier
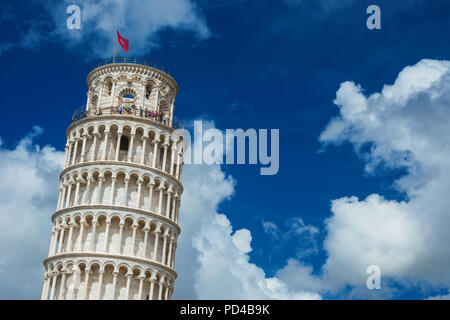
pixel 131 85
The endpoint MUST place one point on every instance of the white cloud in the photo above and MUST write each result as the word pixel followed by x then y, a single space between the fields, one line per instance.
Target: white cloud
pixel 406 126
pixel 28 198
pixel 300 276
pixel 241 240
pixel 138 20
pixel 271 229
pixel 370 232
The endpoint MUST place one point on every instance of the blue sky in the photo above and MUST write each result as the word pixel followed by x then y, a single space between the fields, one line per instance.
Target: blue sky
pixel 243 64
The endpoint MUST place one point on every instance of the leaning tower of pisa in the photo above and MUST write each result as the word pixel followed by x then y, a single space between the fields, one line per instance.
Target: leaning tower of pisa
pixel 115 228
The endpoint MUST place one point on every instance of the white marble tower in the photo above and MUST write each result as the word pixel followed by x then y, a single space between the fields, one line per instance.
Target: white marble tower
pixel 115 228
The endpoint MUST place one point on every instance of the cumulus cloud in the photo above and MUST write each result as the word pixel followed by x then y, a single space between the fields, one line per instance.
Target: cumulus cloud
pixel 138 20
pixel 403 127
pixel 28 195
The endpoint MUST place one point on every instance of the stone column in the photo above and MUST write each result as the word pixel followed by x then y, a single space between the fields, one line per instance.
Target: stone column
pixel 125 200
pixel 155 249
pixel 92 244
pixel 169 194
pixel 76 274
pixel 77 192
pixel 157 100
pixel 105 245
pixel 100 185
pixel 80 240
pixel 113 93
pixel 172 106
pixel 70 154
pixel 63 197
pixel 115 273
pixel 155 152
pixel 57 231
pixel 174 204
pixel 83 148
pixel 177 174
pixel 88 100
pixel 113 187
pixel 173 153
pixel 173 254
pixel 141 284
pixel 163 256
pixel 52 292
pixel 69 189
pixel 144 145
pixel 66 150
pixel 177 209
pixel 120 237
pixel 61 239
pixel 130 149
pixel 94 147
pixel 166 294
pixel 152 288
pixel 87 272
pixel 150 185
pixel 61 287
pixel 87 192
pixel 161 190
pixel 47 289
pixel 169 259
pixel 119 136
pixel 139 191
pixel 133 239
pixel 106 145
pixel 163 168
pixel 161 285
pixel 127 292
pixel 69 238
pixel 75 150
pixel 59 198
pixel 146 229
pixel 100 283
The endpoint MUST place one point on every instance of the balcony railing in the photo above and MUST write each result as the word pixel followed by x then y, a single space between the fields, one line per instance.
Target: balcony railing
pixel 140 61
pixel 82 113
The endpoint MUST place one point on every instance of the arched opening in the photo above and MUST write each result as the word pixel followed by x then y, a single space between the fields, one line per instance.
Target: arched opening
pixel 148 90
pixel 109 86
pixel 124 141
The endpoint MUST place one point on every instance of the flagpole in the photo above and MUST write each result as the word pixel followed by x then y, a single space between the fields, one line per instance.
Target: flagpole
pixel 114 54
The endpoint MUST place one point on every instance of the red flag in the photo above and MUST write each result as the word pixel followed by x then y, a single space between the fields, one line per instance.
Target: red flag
pixel 122 41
